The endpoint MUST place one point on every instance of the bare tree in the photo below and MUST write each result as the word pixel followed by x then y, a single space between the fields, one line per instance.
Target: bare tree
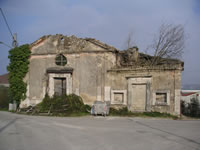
pixel 169 42
pixel 129 41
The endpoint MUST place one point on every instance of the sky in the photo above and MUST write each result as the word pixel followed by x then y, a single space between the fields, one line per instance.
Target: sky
pixel 110 21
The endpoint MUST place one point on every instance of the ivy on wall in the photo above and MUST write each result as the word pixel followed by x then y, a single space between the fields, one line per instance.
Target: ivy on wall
pixel 18 67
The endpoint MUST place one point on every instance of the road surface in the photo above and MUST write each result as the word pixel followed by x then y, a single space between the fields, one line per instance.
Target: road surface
pixel 22 132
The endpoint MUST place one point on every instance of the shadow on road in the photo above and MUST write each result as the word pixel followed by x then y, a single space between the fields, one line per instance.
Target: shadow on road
pixel 187 139
pixel 8 124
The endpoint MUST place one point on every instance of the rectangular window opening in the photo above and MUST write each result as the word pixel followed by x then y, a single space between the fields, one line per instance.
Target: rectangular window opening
pixel 161 98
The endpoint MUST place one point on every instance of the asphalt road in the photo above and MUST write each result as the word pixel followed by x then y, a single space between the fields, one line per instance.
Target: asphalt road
pixel 21 132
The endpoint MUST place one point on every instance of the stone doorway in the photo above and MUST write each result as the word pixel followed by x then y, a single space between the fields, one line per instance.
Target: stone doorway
pixel 139 89
pixel 138 101
pixel 59 81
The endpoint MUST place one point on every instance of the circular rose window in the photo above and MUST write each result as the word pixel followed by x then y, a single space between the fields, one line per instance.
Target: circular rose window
pixel 61 60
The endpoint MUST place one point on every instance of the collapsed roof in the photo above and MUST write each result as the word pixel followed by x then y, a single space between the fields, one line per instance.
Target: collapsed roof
pixel 66 42
pixel 127 58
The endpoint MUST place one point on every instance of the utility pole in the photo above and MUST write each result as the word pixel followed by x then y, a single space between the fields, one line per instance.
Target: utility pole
pixel 14 37
pixel 14 43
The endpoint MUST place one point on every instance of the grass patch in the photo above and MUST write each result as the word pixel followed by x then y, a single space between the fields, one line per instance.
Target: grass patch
pixel 124 112
pixel 3 109
pixel 73 106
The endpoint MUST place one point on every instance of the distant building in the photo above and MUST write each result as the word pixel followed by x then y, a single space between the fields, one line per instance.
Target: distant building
pixel 96 71
pixel 190 87
pixel 187 95
pixel 4 80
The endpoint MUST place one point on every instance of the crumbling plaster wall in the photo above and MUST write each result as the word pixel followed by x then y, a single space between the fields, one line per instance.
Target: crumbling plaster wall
pixel 94 76
pixel 89 62
pixel 161 80
pixel 89 74
pixel 54 44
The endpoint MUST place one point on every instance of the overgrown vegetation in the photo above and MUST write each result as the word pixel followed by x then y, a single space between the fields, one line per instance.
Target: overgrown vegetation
pixel 66 105
pixel 124 112
pixel 191 109
pixel 72 105
pixel 4 99
pixel 18 67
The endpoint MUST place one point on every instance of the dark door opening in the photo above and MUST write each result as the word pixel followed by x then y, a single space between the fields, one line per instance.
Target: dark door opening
pixel 59 86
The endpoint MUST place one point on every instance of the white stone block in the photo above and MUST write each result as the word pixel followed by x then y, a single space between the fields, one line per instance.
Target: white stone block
pixel 107 93
pixel 98 93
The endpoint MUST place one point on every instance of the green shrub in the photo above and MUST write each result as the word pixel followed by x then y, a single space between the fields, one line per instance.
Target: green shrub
pixel 120 112
pixel 65 105
pixel 87 108
pixel 45 105
pixel 194 108
pixel 191 109
pixel 183 108
pixel 4 99
pixel 75 103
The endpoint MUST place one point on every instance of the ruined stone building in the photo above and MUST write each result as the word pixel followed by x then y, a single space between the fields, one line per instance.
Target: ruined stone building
pixel 96 71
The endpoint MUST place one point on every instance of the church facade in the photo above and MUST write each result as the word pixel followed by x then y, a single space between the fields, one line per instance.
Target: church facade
pixel 96 71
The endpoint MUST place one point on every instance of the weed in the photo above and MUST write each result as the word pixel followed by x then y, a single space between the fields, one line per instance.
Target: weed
pixel 124 112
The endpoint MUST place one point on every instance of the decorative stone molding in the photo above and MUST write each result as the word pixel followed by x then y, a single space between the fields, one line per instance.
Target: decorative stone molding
pixel 139 80
pixel 167 92
pixel 119 97
pixel 177 101
pixel 68 77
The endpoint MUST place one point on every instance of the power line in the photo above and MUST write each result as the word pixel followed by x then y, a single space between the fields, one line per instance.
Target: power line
pixel 5 44
pixel 6 22
pixel 14 37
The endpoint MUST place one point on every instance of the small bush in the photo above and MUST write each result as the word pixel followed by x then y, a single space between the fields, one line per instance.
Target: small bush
pixel 75 103
pixel 4 98
pixel 120 112
pixel 191 109
pixel 87 108
pixel 45 105
pixel 194 108
pixel 184 110
pixel 63 105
